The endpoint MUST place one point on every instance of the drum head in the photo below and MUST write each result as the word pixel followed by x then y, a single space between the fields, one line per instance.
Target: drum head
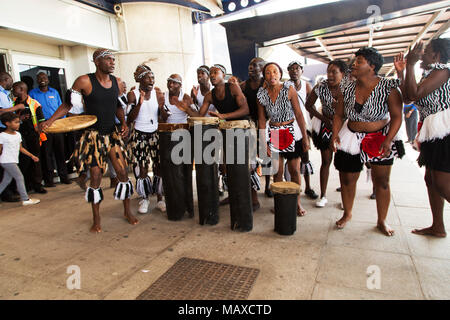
pixel 72 124
pixel 171 127
pixel 203 120
pixel 234 124
pixel 285 187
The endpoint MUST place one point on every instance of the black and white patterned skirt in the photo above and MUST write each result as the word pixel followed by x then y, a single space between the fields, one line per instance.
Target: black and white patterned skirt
pixel 143 148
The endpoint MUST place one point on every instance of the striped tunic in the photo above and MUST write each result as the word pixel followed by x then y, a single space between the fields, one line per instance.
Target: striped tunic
pixel 439 99
pixel 281 110
pixel 376 106
pixel 326 98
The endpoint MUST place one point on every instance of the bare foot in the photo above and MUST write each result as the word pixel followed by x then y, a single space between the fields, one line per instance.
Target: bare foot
pixel 300 211
pixel 340 224
pixel 96 228
pixel 430 232
pixel 384 227
pixel 131 219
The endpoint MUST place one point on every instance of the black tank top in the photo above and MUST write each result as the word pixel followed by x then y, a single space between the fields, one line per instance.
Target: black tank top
pixel 228 104
pixel 102 103
pixel 250 94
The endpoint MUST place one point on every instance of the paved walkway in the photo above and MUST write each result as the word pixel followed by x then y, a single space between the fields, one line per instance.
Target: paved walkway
pixel 38 243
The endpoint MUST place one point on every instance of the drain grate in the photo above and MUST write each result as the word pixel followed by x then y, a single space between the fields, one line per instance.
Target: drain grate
pixel 194 279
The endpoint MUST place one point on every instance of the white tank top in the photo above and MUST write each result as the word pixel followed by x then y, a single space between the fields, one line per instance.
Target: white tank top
pixel 200 98
pixel 147 119
pixel 302 99
pixel 177 115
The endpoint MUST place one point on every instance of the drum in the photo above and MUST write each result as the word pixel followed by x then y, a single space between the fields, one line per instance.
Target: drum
pixel 285 194
pixel 206 174
pixel 176 178
pixel 236 141
pixel 71 124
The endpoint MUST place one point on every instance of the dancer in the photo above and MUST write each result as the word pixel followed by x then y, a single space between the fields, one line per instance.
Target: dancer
pixel 322 123
pixel 281 104
pixel 373 107
pixel 100 91
pixel 199 92
pixel 303 88
pixel 146 105
pixel 432 97
pixel 175 100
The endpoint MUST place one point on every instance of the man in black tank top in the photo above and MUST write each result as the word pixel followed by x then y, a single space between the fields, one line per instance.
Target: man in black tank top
pixel 231 104
pixel 228 98
pixel 100 92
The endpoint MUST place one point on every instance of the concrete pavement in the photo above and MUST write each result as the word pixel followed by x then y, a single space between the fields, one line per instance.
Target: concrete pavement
pixel 38 243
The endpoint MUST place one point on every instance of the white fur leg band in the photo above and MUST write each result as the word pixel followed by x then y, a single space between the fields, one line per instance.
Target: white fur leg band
pixel 144 187
pixel 157 185
pixel 307 168
pixel 124 190
pixel 94 195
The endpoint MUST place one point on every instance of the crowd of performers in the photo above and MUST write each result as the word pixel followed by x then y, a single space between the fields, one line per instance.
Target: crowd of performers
pixel 358 123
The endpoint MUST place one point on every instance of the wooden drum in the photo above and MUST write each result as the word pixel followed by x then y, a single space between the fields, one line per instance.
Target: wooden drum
pixel 206 174
pixel 285 194
pixel 236 140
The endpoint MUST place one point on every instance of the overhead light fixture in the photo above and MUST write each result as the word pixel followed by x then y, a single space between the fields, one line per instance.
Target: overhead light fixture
pixel 244 3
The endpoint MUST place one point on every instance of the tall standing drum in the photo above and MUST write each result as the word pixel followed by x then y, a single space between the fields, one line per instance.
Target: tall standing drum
pixel 176 178
pixel 285 194
pixel 206 173
pixel 236 137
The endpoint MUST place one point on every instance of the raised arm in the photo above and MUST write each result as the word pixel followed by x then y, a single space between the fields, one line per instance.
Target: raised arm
pixel 434 81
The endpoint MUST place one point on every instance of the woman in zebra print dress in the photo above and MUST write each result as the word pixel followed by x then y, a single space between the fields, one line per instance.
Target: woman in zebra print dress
pixel 322 123
pixel 432 97
pixel 280 102
pixel 373 108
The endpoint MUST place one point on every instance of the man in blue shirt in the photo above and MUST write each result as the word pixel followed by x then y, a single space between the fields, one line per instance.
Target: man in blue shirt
pixel 50 100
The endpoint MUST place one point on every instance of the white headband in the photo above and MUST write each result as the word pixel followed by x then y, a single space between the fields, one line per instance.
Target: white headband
pixel 142 74
pixel 222 68
pixel 204 70
pixel 104 54
pixel 174 80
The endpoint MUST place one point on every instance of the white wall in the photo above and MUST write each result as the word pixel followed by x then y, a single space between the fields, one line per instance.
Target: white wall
pixel 61 19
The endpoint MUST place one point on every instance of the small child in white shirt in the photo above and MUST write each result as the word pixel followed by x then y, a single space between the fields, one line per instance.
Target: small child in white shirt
pixel 10 146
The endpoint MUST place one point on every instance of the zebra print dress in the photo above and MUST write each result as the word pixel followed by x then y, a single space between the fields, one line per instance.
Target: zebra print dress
pixel 321 135
pixel 281 138
pixel 376 106
pixel 439 99
pixel 434 132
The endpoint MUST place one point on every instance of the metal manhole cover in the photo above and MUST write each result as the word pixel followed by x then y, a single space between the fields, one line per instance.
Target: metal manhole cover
pixel 194 279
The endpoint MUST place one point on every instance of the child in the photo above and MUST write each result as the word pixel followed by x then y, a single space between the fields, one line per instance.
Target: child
pixel 10 145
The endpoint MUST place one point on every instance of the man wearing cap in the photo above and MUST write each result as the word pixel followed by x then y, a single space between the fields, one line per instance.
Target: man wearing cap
pixel 303 89
pixel 100 92
pixel 50 100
